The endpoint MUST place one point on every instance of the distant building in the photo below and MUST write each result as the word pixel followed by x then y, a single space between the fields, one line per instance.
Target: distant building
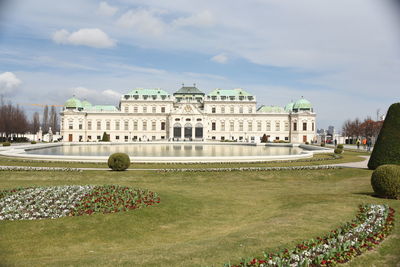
pixel 188 114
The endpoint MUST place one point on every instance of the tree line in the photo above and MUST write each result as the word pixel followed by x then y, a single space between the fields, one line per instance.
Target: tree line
pixel 14 122
pixel 358 129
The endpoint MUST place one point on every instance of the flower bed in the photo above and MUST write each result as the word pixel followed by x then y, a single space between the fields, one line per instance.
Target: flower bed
pixel 288 168
pixel 58 201
pixel 28 168
pixel 372 224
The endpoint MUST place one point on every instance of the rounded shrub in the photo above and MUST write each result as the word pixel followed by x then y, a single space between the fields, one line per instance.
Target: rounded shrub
pixel 322 143
pixel 33 142
pixel 6 144
pixel 385 181
pixel 340 146
pixel 338 151
pixel 119 161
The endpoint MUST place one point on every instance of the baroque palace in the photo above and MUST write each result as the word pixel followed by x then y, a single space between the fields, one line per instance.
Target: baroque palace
pixel 188 114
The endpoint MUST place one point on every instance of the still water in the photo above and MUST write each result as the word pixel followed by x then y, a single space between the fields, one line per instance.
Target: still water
pixel 168 150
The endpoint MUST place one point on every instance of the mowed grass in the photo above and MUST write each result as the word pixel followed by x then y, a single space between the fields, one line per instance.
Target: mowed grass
pixel 204 219
pixel 346 157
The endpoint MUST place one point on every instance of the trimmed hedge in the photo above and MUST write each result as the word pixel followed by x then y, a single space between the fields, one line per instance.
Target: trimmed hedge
pixel 322 144
pixel 6 144
pixel 119 161
pixel 385 181
pixel 338 151
pixel 340 146
pixel 387 146
pixel 33 142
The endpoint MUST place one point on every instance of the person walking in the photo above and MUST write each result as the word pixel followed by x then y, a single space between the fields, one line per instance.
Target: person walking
pixel 335 143
pixel 364 142
pixel 369 144
pixel 358 143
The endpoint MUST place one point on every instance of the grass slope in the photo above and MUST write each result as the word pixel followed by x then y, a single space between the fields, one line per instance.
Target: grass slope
pixel 204 219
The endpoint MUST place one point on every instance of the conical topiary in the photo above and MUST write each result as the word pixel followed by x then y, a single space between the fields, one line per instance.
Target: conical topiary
pixel 387 146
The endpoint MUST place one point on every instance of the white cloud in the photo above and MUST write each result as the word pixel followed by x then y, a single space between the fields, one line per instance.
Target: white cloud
pixel 89 37
pixel 96 97
pixel 106 10
pixel 143 21
pixel 8 83
pixel 202 19
pixel 220 58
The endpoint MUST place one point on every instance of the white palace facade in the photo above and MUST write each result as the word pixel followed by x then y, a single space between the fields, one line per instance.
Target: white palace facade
pixel 188 115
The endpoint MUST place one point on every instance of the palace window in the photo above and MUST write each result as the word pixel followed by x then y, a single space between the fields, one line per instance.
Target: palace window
pixel 231 126
pixel 135 125
pixel 126 125
pixel 259 126
pixel 213 110
pixel 240 126
pixel 268 126
pixel 117 125
pixel 222 125
pixel 304 126
pixel 153 109
pixel 126 109
pixel 153 125
pixel 222 110
pixel 250 110
pixel 144 128
pixel 70 125
pixel 98 125
pixel 162 109
pixel 135 109
pixel 107 125
pixel 163 126
pixel 240 109
pixel 117 137
pixel 144 109
pixel 89 125
pixel 232 109
pixel 80 125
pixel 277 126
pixel 213 126
pixel 312 126
pixel 295 126
pixel 286 126
pixel 250 125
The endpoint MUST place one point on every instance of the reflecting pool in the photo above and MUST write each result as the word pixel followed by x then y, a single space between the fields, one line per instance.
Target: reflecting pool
pixel 168 150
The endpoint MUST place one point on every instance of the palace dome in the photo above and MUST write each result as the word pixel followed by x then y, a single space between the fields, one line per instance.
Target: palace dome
pixel 73 103
pixel 302 104
pixel 86 104
pixel 289 107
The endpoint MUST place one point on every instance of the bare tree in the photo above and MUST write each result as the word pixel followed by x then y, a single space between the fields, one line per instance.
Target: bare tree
pixel 45 120
pixel 53 119
pixel 35 123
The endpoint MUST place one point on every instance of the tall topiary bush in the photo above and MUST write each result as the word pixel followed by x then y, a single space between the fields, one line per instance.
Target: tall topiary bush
pixel 387 147
pixel 264 138
pixel 385 181
pixel 106 137
pixel 119 161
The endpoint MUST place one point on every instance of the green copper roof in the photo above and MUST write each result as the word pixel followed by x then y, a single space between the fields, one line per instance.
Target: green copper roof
pixel 86 104
pixel 232 92
pixel 270 109
pixel 302 104
pixel 289 107
pixel 188 91
pixel 73 103
pixel 149 92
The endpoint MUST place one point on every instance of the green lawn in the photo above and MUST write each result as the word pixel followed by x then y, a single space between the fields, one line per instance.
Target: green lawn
pixel 204 219
pixel 346 157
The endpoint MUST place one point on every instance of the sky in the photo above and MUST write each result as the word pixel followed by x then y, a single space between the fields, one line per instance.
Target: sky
pixel 343 55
